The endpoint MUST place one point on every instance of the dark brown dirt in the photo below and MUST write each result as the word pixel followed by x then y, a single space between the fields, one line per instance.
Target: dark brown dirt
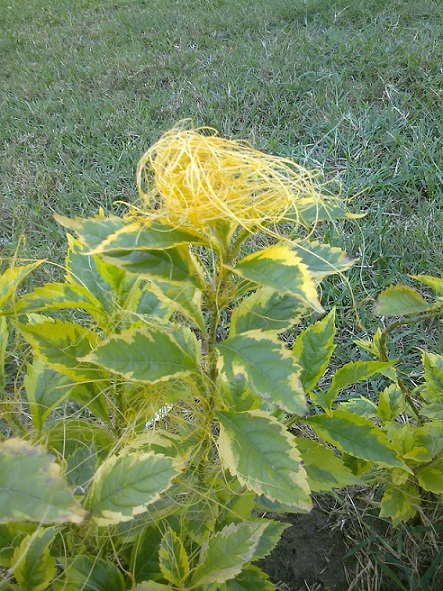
pixel 308 556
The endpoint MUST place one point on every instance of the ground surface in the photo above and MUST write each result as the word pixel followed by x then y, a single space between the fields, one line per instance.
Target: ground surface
pixel 309 555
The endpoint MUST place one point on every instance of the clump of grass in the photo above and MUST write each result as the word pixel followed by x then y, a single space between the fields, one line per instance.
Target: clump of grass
pixel 407 558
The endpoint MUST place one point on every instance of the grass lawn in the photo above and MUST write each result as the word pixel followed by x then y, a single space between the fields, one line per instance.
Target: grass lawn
pixel 354 89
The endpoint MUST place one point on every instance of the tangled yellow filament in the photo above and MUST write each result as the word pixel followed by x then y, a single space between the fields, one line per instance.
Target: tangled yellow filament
pixel 194 178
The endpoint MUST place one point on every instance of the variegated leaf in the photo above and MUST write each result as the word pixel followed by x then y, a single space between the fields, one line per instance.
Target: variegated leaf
pixel 280 268
pixel 258 450
pixel 269 368
pixel 148 354
pixel 125 485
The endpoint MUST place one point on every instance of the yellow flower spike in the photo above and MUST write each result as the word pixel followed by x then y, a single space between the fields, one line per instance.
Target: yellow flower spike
pixel 194 178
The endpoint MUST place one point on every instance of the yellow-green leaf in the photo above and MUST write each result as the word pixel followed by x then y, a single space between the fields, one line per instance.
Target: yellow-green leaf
pixel 250 579
pixel 325 470
pixel 321 259
pixel 92 573
pixel 59 296
pixel 401 300
pixel 356 436
pixel 173 559
pixel 435 283
pixel 148 354
pixel 61 345
pixel 31 486
pixel 391 402
pixel 269 368
pixel 45 390
pixel 262 455
pixel 11 279
pixel 313 348
pixel 186 299
pixel 101 234
pixel 175 265
pixel 125 485
pixel 430 477
pixel 351 373
pixel 267 310
pixel 433 387
pixel 400 504
pixel 225 553
pixel 141 236
pixel 312 211
pixel 92 231
pixel 280 268
pixel 33 566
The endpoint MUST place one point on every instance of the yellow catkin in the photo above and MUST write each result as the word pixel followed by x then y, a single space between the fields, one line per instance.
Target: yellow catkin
pixel 194 178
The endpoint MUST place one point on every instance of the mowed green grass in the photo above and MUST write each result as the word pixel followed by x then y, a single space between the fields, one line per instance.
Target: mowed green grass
pixel 352 88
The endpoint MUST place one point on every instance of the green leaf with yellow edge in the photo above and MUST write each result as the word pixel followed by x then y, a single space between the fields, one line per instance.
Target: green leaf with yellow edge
pixel 270 537
pixel 173 559
pixel 11 536
pixel 141 236
pixel 33 566
pixel 313 349
pixel 148 354
pixel 101 234
pixel 430 436
pixel 251 578
pixel 400 504
pixel 11 279
pixel 433 366
pixel 125 485
pixel 31 486
pixel 267 310
pixel 45 390
pixel 280 268
pixel 435 283
pixel 361 406
pixel 269 368
pixel 312 211
pixel 175 265
pixel 100 278
pixel 430 477
pixel 325 470
pixel 92 231
pixel 237 394
pixel 356 436
pixel 391 402
pixel 262 455
pixel 61 345
pixel 92 573
pixel 186 299
pixel 149 304
pixel 350 374
pixel 59 296
pixel 321 259
pixel 433 410
pixel 401 300
pixel 224 554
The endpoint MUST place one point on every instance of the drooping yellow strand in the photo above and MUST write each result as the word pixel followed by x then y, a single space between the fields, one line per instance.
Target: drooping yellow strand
pixel 194 178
